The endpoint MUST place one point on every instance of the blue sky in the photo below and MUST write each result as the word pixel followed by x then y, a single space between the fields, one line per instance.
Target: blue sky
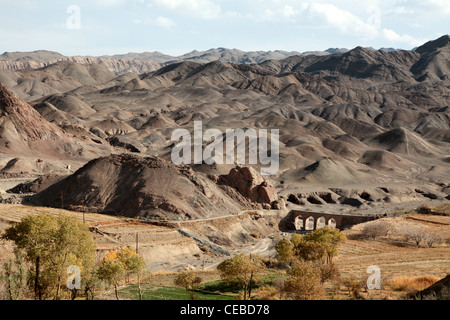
pixel 179 26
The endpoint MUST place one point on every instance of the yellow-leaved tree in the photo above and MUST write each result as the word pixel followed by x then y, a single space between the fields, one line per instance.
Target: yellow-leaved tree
pixel 51 244
pixel 118 265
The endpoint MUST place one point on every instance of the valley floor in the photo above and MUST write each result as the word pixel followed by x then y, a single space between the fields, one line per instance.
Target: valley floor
pixel 166 251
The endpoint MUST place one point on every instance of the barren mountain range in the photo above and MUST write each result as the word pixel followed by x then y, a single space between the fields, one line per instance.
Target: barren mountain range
pixel 357 123
pixel 151 61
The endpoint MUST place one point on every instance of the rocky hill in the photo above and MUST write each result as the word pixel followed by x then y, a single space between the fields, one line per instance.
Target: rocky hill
pixel 156 190
pixel 33 145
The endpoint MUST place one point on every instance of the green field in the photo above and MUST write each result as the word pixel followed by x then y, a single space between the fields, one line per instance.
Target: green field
pixel 210 290
pixel 166 293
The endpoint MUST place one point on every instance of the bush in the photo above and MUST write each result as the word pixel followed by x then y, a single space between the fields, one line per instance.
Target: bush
pixel 413 233
pixel 418 235
pixel 432 238
pixel 411 285
pixel 377 229
pixel 188 280
pixel 328 272
pixel 266 293
pixel 354 287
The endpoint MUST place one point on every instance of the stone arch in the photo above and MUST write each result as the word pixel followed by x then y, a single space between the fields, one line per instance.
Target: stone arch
pixel 309 225
pixel 321 223
pixel 299 223
pixel 332 223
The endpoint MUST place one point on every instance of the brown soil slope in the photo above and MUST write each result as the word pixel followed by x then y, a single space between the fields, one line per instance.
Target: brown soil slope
pixel 24 132
pixel 151 188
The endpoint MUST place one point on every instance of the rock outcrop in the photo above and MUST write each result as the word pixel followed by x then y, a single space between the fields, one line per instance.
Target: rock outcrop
pixel 252 186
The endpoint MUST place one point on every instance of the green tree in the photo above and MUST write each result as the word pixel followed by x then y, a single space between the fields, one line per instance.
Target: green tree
pixel 242 269
pixel 51 244
pixel 188 280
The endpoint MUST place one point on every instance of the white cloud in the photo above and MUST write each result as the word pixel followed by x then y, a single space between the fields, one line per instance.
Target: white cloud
pixel 347 23
pixel 19 3
pixel 442 6
pixel 393 36
pixel 108 3
pixel 162 22
pixel 422 8
pixel 341 20
pixel 204 9
pixel 285 12
pixel 360 20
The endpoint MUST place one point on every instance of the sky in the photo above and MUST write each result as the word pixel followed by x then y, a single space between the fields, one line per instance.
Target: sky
pixel 175 27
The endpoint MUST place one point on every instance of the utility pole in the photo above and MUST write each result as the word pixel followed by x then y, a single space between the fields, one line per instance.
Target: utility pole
pixel 137 242
pixel 139 276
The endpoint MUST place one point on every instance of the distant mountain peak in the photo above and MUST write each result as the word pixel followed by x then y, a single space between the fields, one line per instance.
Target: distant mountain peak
pixel 434 45
pixel 336 50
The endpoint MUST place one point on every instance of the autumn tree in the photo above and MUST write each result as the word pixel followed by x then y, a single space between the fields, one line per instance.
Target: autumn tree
pixel 285 250
pixel 75 246
pixel 304 282
pixel 321 244
pixel 112 271
pixel 90 281
pixel 133 264
pixel 116 265
pixel 51 244
pixel 241 269
pixel 15 277
pixel 188 280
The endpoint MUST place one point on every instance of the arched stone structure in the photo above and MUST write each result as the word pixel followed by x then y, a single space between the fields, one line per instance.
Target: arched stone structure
pixel 299 223
pixel 332 223
pixel 321 223
pixel 309 221
pixel 309 225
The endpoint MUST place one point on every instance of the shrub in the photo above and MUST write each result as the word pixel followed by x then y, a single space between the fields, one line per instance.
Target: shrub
pixel 328 271
pixel 413 233
pixel 377 229
pixel 188 280
pixel 354 287
pixel 266 293
pixel 432 238
pixel 411 285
